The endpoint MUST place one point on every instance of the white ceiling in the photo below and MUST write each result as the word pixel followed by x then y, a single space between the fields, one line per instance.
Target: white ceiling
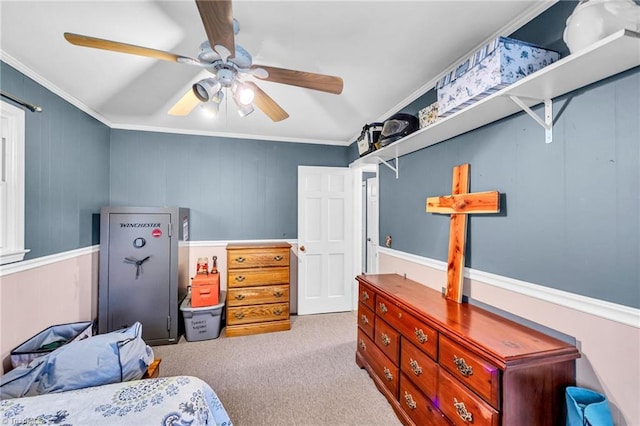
pixel 387 52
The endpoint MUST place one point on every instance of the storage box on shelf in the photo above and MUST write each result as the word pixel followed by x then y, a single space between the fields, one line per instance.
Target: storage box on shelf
pixel 612 55
pixel 501 62
pixel 428 115
pixel 439 362
pixel 257 288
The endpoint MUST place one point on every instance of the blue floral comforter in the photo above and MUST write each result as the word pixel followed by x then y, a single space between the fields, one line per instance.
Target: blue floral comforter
pixel 180 400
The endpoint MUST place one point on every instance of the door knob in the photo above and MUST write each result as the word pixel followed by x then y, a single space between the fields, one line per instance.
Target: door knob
pixel 302 248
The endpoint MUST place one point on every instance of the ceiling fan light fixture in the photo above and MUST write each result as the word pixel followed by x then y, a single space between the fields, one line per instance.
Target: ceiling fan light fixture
pixel 242 94
pixel 206 89
pixel 244 110
pixel 210 109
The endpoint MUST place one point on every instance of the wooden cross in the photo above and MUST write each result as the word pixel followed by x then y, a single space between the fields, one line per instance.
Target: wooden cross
pixel 460 204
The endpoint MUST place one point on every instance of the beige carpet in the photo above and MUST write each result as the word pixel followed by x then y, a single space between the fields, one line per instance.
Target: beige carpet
pixel 305 376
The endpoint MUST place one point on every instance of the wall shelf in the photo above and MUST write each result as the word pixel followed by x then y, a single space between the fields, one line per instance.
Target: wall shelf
pixel 612 55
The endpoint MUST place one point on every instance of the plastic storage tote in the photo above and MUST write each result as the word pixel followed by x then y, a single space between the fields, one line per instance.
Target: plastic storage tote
pixel 202 323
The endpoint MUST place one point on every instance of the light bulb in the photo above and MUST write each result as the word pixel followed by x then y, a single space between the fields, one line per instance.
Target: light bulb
pixel 210 109
pixel 242 94
pixel 244 110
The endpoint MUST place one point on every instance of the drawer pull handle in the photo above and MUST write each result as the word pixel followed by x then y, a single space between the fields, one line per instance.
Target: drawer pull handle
pixel 422 338
pixel 240 278
pixel 240 259
pixel 385 339
pixel 278 294
pixel 415 367
pixel 383 308
pixel 463 368
pixel 364 320
pixel 362 345
pixel 462 411
pixel 409 400
pixel 365 295
pixel 239 296
pixel 239 315
pixel 278 258
pixel 387 374
pixel 277 311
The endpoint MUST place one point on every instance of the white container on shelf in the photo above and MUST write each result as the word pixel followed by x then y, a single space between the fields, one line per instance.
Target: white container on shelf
pixel 593 20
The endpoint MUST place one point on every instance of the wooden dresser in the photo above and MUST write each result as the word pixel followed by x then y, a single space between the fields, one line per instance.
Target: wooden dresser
pixel 257 288
pixel 441 363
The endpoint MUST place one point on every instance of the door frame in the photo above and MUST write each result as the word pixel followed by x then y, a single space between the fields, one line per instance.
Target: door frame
pixel 358 225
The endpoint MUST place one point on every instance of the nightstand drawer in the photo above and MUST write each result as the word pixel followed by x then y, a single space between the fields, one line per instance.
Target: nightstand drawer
pixel 255 277
pixel 388 340
pixel 417 332
pixel 257 295
pixel 419 408
pixel 462 406
pixel 257 313
pixel 472 370
pixel 421 369
pixel 258 258
pixel 366 320
pixel 367 296
pixel 382 366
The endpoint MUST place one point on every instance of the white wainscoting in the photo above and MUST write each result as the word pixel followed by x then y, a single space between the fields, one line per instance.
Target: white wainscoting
pixel 63 288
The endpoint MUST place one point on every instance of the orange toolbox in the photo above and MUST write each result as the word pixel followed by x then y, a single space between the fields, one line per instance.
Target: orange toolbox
pixel 205 290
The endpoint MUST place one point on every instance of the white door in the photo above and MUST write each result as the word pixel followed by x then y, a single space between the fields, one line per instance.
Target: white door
pixel 325 200
pixel 372 225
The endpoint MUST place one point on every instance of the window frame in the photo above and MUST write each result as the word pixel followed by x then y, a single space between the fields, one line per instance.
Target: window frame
pixel 12 177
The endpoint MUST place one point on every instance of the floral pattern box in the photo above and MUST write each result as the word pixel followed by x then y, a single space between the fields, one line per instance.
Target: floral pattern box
pixel 499 63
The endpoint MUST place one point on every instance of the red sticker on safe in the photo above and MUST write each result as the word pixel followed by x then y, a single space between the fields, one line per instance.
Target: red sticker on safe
pixel 157 233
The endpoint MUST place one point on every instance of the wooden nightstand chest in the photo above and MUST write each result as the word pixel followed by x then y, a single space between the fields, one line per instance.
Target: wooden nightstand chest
pixel 257 288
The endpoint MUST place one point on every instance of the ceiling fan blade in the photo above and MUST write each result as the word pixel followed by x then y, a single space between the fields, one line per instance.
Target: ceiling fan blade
pixel 115 46
pixel 308 80
pixel 185 105
pixel 217 18
pixel 266 103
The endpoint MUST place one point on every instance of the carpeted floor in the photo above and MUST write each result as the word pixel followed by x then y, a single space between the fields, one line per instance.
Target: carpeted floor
pixel 305 376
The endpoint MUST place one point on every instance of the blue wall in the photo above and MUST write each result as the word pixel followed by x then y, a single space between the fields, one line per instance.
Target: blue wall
pixel 569 216
pixel 236 189
pixel 66 169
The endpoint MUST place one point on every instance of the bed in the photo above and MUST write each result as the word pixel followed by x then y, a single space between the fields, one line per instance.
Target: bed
pixel 179 400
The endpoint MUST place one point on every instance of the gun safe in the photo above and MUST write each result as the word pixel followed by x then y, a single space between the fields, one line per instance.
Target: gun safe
pixel 144 270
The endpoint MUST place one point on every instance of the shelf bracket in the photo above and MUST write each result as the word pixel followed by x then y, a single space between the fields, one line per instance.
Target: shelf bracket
pixel 547 123
pixel 395 169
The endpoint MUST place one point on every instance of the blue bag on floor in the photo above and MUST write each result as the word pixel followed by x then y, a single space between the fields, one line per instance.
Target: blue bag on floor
pixel 587 407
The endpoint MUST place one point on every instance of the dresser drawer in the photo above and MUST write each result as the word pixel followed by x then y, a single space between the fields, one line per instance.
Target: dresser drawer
pixel 257 258
pixel 257 313
pixel 472 370
pixel 254 277
pixel 367 296
pixel 257 295
pixel 366 320
pixel 418 406
pixel 461 405
pixel 388 340
pixel 379 363
pixel 421 369
pixel 420 334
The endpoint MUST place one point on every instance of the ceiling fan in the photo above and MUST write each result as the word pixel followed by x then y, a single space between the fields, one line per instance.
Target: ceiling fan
pixel 231 67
